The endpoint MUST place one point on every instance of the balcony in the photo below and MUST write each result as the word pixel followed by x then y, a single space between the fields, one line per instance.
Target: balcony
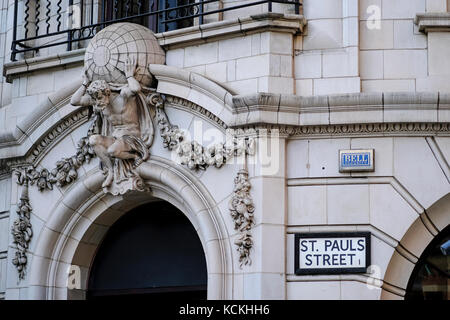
pixel 43 27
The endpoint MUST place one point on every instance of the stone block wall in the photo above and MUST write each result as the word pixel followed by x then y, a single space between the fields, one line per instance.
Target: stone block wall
pixel 33 88
pixel 327 61
pixel 260 62
pixel 395 56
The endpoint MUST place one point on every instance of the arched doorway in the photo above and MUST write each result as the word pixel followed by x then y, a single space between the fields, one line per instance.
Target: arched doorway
pixel 80 232
pixel 152 251
pixel 430 279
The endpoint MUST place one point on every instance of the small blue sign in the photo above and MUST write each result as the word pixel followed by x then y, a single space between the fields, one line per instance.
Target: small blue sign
pixel 356 160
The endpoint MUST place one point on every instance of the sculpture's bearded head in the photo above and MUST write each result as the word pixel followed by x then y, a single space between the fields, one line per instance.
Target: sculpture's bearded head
pixel 100 92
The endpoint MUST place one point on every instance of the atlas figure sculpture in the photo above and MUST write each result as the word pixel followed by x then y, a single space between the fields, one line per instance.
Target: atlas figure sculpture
pixel 123 129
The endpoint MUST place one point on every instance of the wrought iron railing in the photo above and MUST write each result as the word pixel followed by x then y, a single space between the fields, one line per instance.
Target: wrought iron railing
pixel 46 23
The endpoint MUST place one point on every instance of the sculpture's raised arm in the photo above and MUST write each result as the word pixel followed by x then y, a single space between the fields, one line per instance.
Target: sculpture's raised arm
pixel 80 97
pixel 133 85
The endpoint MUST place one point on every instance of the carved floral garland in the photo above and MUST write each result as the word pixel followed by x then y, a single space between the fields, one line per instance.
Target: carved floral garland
pixel 191 153
pixel 65 171
pixel 242 211
pixel 22 231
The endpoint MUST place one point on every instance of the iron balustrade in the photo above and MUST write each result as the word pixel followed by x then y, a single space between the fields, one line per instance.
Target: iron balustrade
pixel 94 15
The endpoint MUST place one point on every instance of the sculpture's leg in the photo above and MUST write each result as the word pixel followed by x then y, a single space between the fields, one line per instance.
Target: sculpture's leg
pixel 100 144
pixel 121 150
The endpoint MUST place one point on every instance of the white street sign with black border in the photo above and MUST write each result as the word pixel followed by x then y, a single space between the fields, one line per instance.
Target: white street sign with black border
pixel 332 253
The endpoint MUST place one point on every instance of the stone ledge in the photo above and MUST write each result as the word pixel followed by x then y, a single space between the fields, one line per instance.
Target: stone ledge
pixel 377 107
pixel 14 69
pixel 290 23
pixel 433 22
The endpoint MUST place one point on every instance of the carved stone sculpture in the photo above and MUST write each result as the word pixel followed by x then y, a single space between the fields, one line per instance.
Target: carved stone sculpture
pixel 125 129
pixel 114 87
pixel 242 211
pixel 170 134
pixel 107 53
pixel 22 231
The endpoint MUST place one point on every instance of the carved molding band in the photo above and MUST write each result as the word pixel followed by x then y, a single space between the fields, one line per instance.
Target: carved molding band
pixel 374 128
pixel 195 108
pixel 352 129
pixel 43 145
pixel 65 125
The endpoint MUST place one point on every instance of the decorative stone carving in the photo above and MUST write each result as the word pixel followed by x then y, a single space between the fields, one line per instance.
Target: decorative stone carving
pixel 123 128
pixel 191 153
pixel 22 231
pixel 242 211
pixel 115 78
pixel 64 173
pixel 195 108
pixel 195 156
pixel 170 134
pixel 107 53
pixel 351 130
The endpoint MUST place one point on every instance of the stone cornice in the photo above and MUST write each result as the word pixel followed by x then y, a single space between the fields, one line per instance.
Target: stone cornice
pixel 354 108
pixel 433 22
pixel 18 68
pixel 289 23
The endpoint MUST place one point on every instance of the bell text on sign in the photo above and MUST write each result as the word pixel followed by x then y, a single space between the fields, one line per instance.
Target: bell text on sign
pixel 356 160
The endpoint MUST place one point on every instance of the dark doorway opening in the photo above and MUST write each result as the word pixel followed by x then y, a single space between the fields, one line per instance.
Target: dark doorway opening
pixel 152 252
pixel 430 279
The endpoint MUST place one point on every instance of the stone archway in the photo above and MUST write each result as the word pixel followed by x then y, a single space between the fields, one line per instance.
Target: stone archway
pixel 83 215
pixel 412 245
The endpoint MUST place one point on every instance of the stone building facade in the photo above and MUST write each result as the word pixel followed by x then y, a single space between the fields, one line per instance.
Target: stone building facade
pixel 249 110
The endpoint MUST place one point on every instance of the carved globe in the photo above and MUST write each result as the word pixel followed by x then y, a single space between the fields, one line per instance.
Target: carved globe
pixel 108 50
